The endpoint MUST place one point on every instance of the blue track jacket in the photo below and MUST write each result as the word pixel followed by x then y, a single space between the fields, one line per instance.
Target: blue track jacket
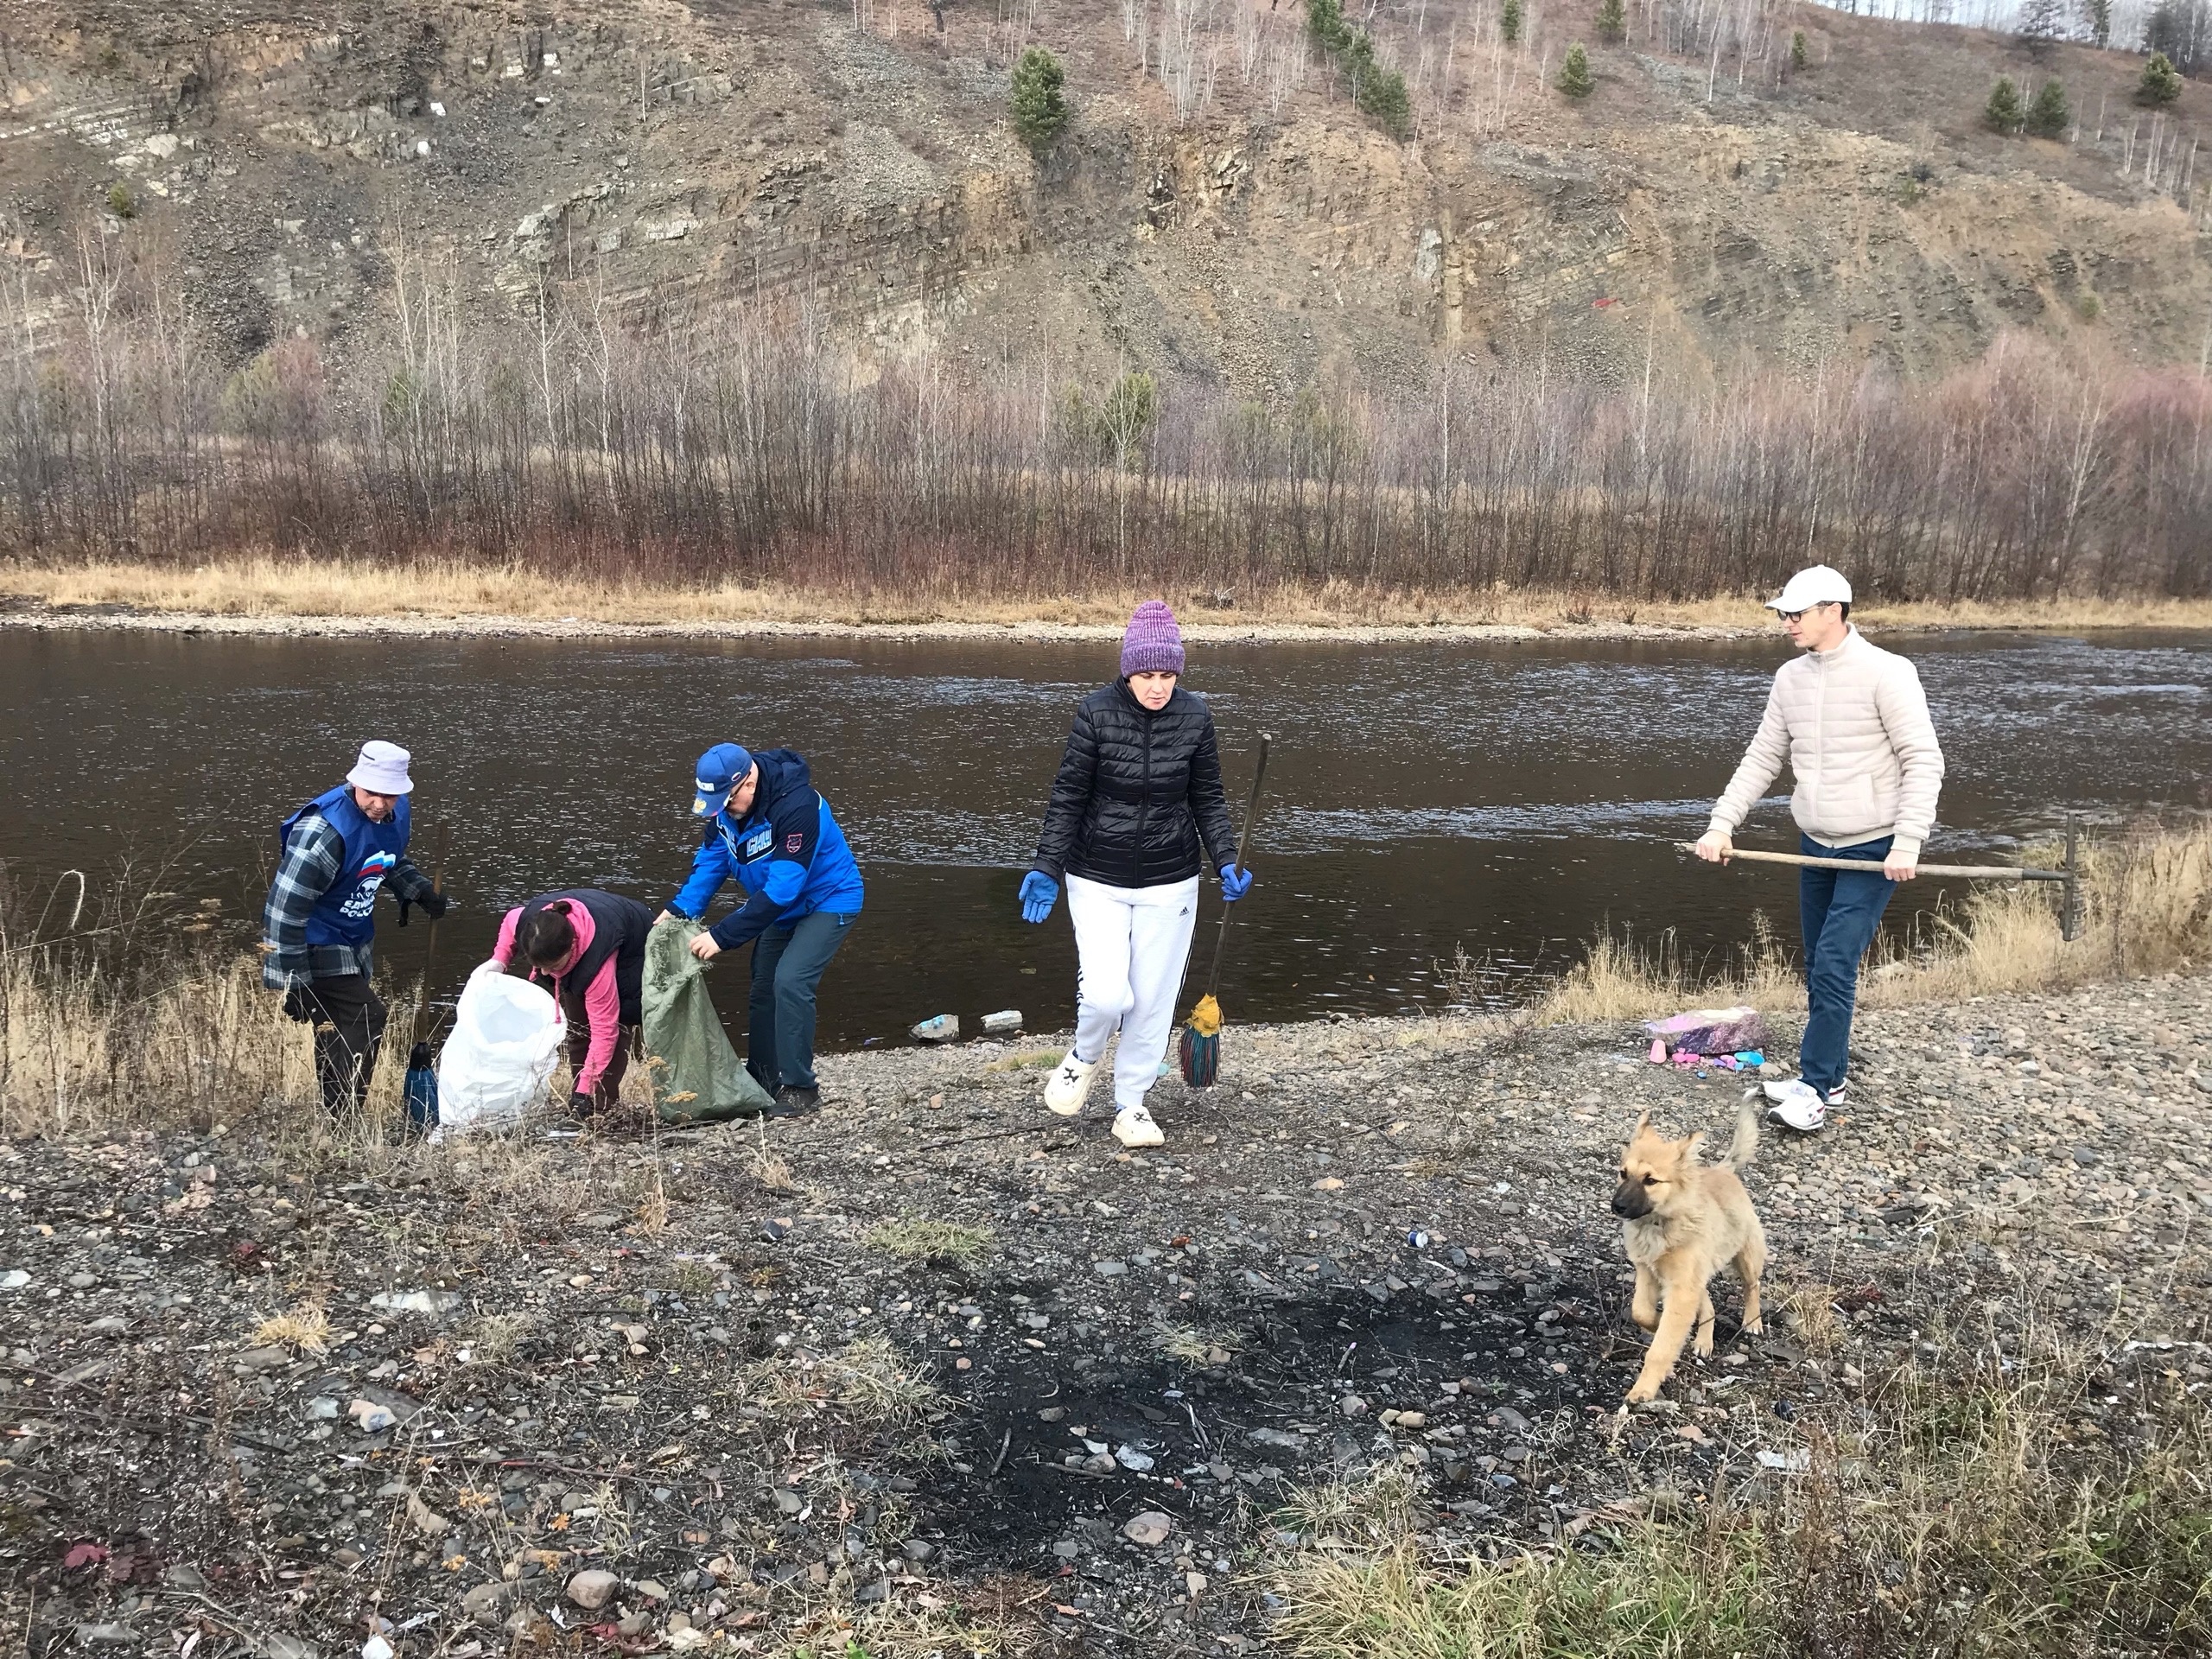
pixel 787 853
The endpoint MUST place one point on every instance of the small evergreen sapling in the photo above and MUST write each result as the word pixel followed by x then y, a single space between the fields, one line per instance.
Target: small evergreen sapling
pixel 2049 114
pixel 1574 78
pixel 1508 22
pixel 2003 109
pixel 2161 82
pixel 1613 20
pixel 1040 112
pixel 1800 57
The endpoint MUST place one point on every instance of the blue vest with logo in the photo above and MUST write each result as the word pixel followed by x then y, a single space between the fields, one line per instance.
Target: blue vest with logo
pixel 346 913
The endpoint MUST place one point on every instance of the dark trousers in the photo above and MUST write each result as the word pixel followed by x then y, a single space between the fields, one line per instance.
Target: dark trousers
pixel 787 964
pixel 348 1030
pixel 609 1089
pixel 1842 911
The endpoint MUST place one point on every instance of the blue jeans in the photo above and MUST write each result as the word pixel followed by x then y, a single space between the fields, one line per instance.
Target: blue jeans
pixel 787 964
pixel 1840 911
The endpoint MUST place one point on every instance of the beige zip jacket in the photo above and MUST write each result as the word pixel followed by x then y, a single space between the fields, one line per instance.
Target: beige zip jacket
pixel 1852 723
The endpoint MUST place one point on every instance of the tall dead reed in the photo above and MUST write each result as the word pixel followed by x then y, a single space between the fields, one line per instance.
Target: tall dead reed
pixel 2147 908
pixel 124 1020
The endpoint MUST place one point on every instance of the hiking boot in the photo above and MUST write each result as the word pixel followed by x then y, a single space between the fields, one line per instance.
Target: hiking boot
pixel 1798 1104
pixel 1069 1086
pixel 1134 1128
pixel 793 1101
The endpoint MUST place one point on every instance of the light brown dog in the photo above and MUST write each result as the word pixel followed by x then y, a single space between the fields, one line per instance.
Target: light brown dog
pixel 1683 1221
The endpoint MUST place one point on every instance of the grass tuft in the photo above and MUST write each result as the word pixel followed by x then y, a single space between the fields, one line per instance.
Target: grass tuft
pixel 925 1238
pixel 306 1328
pixel 870 1385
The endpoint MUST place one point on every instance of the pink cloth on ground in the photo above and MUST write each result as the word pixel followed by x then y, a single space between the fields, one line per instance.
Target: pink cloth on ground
pixel 602 1002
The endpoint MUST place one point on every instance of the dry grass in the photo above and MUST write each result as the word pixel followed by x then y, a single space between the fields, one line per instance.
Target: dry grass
pixel 870 1385
pixel 272 588
pixel 2146 905
pixel 925 1238
pixel 305 1329
pixel 498 1338
pixel 2147 908
pixel 1949 1514
pixel 1198 1344
pixel 770 1168
pixel 993 1617
pixel 1617 979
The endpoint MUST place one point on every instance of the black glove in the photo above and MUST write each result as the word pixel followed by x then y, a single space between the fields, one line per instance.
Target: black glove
pixel 581 1106
pixel 300 1003
pixel 434 905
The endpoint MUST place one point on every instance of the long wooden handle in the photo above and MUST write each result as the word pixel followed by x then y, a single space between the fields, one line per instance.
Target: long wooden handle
pixel 1243 858
pixel 1985 872
pixel 429 951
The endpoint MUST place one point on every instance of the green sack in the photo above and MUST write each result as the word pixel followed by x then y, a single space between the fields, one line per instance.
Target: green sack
pixel 696 1074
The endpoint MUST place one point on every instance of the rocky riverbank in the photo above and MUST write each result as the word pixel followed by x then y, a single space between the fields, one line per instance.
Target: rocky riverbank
pixel 937 1363
pixel 285 600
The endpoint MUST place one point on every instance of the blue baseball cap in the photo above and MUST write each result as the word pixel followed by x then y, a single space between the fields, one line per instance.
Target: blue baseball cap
pixel 721 770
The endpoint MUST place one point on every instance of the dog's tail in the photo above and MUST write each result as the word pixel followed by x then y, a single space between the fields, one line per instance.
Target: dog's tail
pixel 1745 1146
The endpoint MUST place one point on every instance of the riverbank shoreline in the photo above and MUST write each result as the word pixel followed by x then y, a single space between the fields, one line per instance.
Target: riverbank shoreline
pixel 298 599
pixel 934 1371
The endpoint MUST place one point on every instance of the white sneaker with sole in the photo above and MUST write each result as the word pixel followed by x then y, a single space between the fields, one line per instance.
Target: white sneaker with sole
pixel 1069 1086
pixel 1797 1104
pixel 1133 1127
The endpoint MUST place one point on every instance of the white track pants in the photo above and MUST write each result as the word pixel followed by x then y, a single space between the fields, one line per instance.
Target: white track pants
pixel 1130 945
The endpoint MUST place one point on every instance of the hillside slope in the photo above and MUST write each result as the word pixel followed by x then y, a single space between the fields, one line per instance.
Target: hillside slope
pixel 662 161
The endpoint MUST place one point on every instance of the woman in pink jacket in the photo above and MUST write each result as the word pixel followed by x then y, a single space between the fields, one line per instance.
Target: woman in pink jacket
pixel 588 949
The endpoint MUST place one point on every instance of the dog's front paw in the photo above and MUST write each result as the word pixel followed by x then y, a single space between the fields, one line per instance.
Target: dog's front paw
pixel 1644 1391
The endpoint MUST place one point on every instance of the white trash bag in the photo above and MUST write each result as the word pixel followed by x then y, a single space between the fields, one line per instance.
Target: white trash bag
pixel 506 1041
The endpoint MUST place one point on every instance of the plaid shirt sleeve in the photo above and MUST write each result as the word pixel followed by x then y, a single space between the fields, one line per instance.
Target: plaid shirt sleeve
pixel 408 882
pixel 304 874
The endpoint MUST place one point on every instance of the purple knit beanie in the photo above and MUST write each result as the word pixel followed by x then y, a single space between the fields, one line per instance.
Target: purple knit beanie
pixel 1152 644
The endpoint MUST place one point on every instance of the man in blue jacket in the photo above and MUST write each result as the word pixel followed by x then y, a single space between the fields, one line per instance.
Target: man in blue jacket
pixel 769 827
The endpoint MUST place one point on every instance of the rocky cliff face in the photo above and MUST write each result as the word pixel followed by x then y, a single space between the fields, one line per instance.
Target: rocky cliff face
pixel 284 168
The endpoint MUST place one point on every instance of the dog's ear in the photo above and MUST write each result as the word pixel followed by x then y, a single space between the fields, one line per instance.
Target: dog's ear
pixel 1690 1147
pixel 1643 1122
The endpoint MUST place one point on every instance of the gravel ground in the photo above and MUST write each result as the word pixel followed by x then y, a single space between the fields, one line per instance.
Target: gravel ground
pixel 683 1394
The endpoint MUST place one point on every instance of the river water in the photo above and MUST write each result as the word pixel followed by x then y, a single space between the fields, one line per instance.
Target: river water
pixel 1507 800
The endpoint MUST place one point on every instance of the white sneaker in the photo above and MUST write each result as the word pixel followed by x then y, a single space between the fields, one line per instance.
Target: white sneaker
pixel 1134 1128
pixel 1069 1085
pixel 1797 1104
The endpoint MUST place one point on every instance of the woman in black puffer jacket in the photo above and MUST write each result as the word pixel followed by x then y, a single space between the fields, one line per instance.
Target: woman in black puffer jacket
pixel 1138 797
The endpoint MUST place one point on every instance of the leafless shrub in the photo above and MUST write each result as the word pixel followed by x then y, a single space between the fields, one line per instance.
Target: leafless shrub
pixel 737 447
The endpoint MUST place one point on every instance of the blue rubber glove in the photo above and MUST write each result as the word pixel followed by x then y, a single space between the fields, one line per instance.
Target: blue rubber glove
pixel 1039 892
pixel 1234 883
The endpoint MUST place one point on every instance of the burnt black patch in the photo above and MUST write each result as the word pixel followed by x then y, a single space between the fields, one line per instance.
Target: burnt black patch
pixel 1198 1442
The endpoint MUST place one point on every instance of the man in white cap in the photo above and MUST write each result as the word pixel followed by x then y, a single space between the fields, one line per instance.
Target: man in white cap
pixel 1852 721
pixel 319 926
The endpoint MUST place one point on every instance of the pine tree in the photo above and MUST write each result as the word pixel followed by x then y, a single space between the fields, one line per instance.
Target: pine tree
pixel 2042 23
pixel 1800 57
pixel 2004 106
pixel 2048 114
pixel 2161 82
pixel 1574 74
pixel 1613 20
pixel 1325 21
pixel 1508 22
pixel 1039 114
pixel 1383 95
pixel 2098 14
